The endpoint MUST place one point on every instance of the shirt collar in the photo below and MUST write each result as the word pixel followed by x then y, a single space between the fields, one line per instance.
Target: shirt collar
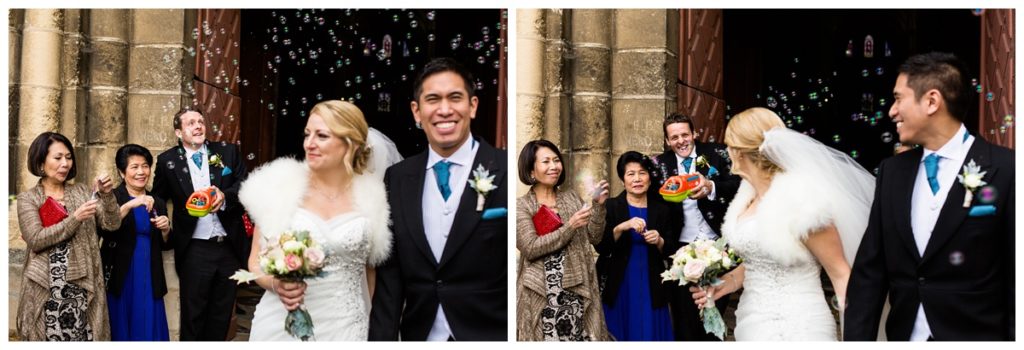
pixel 953 148
pixel 188 152
pixel 693 154
pixel 462 156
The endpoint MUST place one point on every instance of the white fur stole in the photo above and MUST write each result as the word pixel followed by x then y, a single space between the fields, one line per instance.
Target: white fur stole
pixel 273 192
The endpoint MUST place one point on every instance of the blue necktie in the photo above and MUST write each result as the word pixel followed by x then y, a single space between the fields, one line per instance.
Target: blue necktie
pixel 931 167
pixel 198 159
pixel 441 174
pixel 686 165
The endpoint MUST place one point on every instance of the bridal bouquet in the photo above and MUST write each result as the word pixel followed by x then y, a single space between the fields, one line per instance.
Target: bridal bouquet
pixel 293 257
pixel 703 263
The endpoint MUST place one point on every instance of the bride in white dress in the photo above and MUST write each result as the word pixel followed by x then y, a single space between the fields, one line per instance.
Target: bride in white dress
pixel 337 194
pixel 801 206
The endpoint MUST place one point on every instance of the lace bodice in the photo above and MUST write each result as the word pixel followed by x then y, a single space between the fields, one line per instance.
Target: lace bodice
pixel 338 301
pixel 779 301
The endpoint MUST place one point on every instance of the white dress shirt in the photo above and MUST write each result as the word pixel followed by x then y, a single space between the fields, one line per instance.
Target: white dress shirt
pixel 925 206
pixel 439 214
pixel 208 226
pixel 695 227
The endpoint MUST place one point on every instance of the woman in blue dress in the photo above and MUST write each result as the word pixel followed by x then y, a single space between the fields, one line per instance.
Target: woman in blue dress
pixel 132 258
pixel 631 258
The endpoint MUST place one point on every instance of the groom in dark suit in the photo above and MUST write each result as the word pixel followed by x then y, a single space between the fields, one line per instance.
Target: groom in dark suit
pixel 447 277
pixel 699 216
pixel 208 249
pixel 940 238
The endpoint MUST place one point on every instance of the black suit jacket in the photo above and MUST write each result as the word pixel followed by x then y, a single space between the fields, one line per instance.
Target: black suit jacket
pixel 173 184
pixel 713 211
pixel 614 255
pixel 119 246
pixel 471 280
pixel 965 278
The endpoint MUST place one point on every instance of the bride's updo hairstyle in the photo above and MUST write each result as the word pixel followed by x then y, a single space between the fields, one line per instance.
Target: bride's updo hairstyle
pixel 346 121
pixel 745 134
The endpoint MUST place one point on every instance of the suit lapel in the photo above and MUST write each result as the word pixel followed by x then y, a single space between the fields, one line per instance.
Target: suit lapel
pixel 953 213
pixel 412 202
pixel 466 217
pixel 215 172
pixel 904 194
pixel 184 178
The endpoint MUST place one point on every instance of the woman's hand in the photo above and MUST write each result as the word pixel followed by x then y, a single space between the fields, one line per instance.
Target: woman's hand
pixel 161 222
pixel 104 183
pixel 635 224
pixel 700 297
pixel 653 237
pixel 290 293
pixel 86 211
pixel 580 218
pixel 143 200
pixel 601 192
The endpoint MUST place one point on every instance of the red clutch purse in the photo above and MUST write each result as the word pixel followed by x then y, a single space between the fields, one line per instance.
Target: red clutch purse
pixel 51 212
pixel 545 221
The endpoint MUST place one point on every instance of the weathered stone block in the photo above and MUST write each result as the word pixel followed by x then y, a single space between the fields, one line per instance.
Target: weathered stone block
pixel 641 73
pixel 106 116
pixel 158 26
pixel 552 67
pixel 96 160
pixel 592 70
pixel 591 26
pixel 530 81
pixel 590 127
pixel 39 111
pixel 636 126
pixel 553 20
pixel 150 120
pixel 586 168
pixel 47 19
pixel 72 106
pixel 111 23
pixel 155 68
pixel 108 64
pixel 14 56
pixel 71 63
pixel 529 118
pixel 642 28
pixel 41 58
pixel 556 120
pixel 73 20
pixel 19 168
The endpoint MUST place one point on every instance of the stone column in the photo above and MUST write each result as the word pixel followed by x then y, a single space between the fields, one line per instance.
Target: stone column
pixel 16 19
pixel 589 139
pixel 107 100
pixel 73 98
pixel 556 63
pixel 529 82
pixel 158 62
pixel 39 90
pixel 644 70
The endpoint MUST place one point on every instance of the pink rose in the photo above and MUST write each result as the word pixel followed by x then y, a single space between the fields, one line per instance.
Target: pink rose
pixel 293 262
pixel 694 270
pixel 315 257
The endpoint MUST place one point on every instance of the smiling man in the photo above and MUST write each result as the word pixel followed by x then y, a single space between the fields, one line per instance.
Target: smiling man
pixel 207 249
pixel 447 277
pixel 700 215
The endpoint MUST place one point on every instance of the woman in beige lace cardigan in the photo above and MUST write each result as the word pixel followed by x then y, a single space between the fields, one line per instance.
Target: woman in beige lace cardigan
pixel 557 296
pixel 62 289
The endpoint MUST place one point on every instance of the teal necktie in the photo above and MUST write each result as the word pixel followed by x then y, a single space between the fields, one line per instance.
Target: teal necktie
pixel 198 159
pixel 686 165
pixel 931 168
pixel 441 174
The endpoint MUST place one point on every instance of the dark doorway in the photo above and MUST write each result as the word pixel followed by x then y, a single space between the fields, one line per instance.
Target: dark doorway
pixel 292 59
pixel 797 63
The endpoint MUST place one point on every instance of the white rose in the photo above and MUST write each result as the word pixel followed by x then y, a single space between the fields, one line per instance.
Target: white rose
pixel 484 185
pixel 726 262
pixel 694 270
pixel 714 254
pixel 972 180
pixel 292 247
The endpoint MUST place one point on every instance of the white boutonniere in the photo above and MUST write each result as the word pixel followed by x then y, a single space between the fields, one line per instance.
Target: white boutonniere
pixel 972 180
pixel 483 183
pixel 215 160
pixel 703 162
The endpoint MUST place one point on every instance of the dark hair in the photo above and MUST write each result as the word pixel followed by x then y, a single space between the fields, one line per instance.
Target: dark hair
pixel 40 147
pixel 632 157
pixel 131 149
pixel 177 116
pixel 676 117
pixel 528 156
pixel 441 65
pixel 940 71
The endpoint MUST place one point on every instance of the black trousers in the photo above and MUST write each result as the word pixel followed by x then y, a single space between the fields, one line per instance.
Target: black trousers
pixel 207 295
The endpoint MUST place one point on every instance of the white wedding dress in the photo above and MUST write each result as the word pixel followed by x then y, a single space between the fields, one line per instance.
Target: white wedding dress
pixel 338 301
pixel 782 297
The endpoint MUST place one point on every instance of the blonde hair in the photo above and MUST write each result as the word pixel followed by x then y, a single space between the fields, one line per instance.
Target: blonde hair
pixel 745 134
pixel 346 121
